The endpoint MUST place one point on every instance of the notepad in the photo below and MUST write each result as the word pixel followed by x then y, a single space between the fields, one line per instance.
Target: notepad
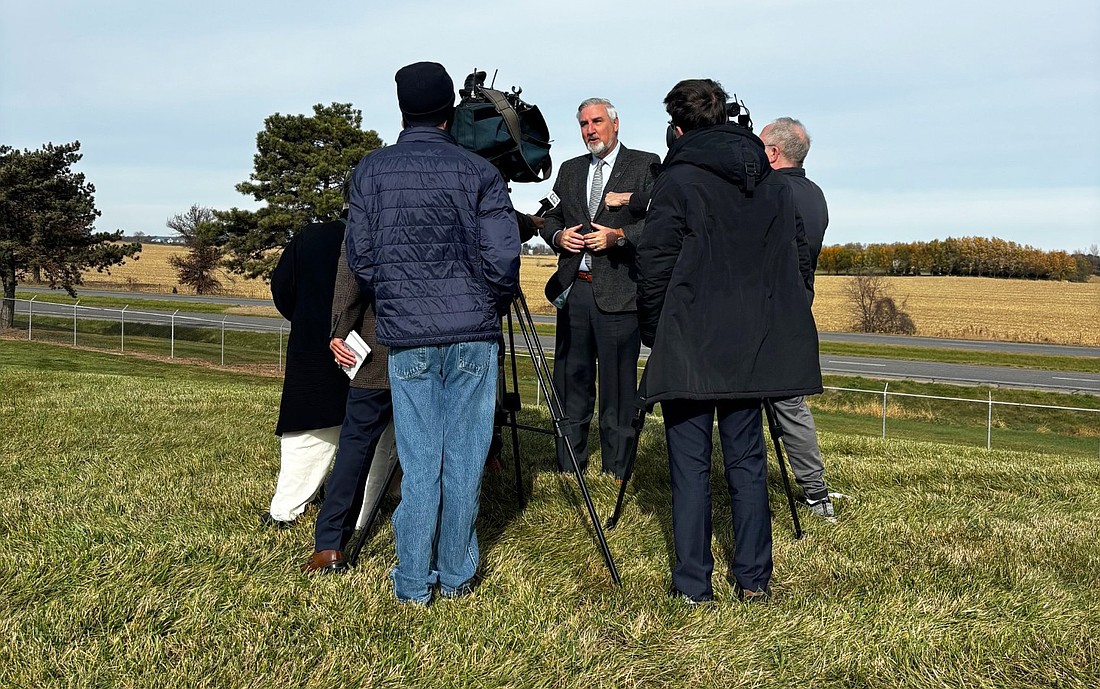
pixel 360 348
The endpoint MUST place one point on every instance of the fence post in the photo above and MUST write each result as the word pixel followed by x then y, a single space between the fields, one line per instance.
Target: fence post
pixel 223 339
pixel 989 424
pixel 172 337
pixel 30 315
pixel 280 347
pixel 77 304
pixel 884 409
pixel 123 330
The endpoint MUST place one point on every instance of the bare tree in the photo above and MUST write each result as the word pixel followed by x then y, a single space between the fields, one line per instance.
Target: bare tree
pixel 201 234
pixel 873 309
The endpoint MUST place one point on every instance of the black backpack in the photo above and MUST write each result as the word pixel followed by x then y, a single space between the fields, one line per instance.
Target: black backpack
pixel 498 126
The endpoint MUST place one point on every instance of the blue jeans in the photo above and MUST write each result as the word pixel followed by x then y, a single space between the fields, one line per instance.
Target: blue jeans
pixel 443 399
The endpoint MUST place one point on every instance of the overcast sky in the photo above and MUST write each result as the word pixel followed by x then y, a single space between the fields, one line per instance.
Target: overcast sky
pixel 929 119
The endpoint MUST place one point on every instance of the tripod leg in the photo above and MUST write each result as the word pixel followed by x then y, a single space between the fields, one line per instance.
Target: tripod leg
pixel 777 432
pixel 352 556
pixel 513 405
pixel 553 403
pixel 639 423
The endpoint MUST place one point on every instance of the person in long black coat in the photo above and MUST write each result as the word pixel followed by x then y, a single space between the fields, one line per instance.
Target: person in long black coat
pixel 315 390
pixel 721 304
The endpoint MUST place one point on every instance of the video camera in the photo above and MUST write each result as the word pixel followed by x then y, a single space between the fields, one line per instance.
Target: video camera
pixel 736 112
pixel 503 129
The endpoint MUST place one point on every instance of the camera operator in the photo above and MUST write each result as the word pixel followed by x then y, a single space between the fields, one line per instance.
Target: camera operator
pixel 721 305
pixel 594 288
pixel 786 144
pixel 432 237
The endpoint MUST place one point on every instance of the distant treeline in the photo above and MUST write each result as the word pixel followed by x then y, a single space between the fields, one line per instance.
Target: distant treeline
pixel 966 256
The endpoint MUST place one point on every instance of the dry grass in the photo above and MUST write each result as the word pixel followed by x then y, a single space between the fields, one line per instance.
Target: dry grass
pixel 959 307
pixel 151 273
pixel 981 308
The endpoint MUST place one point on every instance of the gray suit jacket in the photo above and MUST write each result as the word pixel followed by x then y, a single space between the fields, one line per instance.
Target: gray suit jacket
pixel 614 276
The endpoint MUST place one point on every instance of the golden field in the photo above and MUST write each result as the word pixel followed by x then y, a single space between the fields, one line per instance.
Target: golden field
pixel 151 273
pixel 957 307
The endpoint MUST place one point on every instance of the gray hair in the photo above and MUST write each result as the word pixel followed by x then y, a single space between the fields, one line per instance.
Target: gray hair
pixel 792 139
pixel 612 114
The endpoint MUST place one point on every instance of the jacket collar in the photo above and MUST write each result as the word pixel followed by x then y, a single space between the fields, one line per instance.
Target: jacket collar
pixel 793 171
pixel 418 134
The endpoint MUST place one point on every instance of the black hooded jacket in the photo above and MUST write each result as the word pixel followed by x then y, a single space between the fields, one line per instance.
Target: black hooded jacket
pixel 720 299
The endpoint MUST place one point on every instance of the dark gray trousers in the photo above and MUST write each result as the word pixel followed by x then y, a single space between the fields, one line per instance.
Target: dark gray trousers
pixel 587 336
pixel 800 441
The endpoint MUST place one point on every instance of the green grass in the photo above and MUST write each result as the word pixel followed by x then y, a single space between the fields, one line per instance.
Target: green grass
pixel 963 422
pixel 135 303
pixel 265 350
pixel 132 557
pixel 1080 364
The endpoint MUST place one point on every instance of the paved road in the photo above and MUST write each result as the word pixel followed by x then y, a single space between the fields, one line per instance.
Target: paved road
pixel 854 338
pixel 830 364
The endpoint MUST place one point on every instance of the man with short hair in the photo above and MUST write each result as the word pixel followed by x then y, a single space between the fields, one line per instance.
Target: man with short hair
pixel 432 238
pixel 721 306
pixel 594 288
pixel 786 144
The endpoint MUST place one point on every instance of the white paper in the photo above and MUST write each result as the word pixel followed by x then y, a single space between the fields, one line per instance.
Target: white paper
pixel 360 348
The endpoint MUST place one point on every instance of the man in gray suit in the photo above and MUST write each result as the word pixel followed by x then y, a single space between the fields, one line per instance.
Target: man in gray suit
pixel 786 144
pixel 595 286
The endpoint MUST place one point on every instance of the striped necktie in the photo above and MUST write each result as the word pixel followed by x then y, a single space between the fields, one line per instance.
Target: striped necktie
pixel 597 190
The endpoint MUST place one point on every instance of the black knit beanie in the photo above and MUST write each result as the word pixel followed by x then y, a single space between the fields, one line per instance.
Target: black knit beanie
pixel 425 94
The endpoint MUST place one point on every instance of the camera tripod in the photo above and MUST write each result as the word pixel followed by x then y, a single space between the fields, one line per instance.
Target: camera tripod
pixel 511 406
pixel 775 430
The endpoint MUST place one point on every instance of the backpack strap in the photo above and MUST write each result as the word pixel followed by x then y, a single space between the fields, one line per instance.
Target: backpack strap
pixel 511 120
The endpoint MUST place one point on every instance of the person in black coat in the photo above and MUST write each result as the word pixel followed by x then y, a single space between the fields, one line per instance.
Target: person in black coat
pixel 315 390
pixel 722 307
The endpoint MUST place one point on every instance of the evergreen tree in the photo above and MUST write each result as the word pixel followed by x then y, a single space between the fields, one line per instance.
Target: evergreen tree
pixel 299 167
pixel 47 218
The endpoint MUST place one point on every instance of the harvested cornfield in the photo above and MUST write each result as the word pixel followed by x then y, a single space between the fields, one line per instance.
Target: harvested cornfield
pixel 979 308
pixel 958 307
pixel 151 273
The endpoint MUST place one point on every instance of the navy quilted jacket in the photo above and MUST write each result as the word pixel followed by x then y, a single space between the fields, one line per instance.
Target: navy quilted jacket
pixel 433 238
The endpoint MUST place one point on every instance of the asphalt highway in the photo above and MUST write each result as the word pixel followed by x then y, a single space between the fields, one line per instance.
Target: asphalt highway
pixel 839 365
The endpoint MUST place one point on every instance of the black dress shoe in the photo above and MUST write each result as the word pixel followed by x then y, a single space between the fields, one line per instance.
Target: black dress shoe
pixel 267 520
pixel 674 592
pixel 326 562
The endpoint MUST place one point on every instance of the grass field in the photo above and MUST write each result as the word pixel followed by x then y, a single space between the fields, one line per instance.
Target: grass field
pixel 970 308
pixel 132 557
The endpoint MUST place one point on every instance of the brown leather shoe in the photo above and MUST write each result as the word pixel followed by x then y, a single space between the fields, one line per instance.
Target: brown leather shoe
pixel 326 562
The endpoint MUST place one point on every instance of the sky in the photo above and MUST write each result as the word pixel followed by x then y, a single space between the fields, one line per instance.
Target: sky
pixel 929 119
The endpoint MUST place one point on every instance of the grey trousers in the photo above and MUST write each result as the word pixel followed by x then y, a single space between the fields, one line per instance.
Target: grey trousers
pixel 800 441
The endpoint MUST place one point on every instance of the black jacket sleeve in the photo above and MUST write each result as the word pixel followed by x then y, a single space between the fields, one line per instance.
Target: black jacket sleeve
pixel 284 287
pixel 658 252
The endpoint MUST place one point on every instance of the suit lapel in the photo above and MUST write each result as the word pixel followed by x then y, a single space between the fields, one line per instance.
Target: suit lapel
pixel 582 186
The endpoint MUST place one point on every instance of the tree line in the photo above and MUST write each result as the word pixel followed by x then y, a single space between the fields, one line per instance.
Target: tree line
pixel 47 216
pixel 965 256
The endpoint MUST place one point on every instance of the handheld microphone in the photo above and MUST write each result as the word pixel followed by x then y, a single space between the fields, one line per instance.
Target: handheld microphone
pixel 546 203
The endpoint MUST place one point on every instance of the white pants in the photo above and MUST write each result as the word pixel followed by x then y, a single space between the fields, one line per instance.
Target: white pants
pixel 306 459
